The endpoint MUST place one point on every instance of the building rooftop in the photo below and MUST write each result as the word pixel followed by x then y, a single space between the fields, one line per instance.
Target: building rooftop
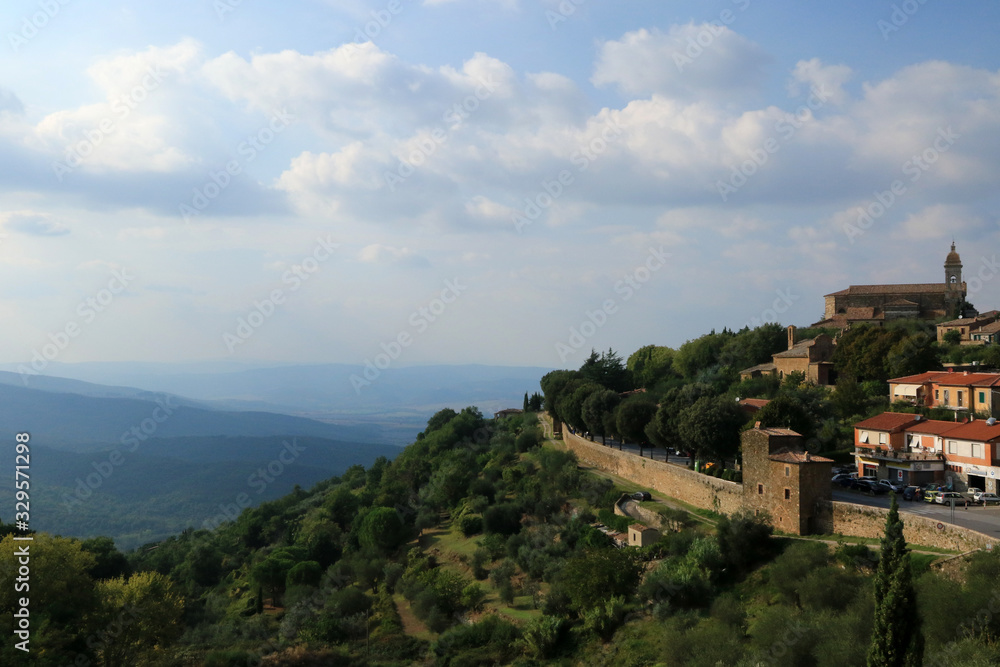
pixel 893 289
pixel 931 427
pixel 641 527
pixel 771 430
pixel 979 430
pixel 769 366
pixel 798 457
pixel 800 349
pixel 888 421
pixel 954 378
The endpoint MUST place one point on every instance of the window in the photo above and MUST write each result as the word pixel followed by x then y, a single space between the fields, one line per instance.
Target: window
pixel 788 471
pixel 946 396
pixel 952 447
pixel 982 397
pixel 881 438
pixel 788 494
pixel 863 437
pixel 960 395
pixel 760 488
pixel 977 450
pixel 937 394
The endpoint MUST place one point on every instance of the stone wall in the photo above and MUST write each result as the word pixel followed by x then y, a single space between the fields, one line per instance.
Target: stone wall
pixel 633 510
pixel 669 479
pixel 863 521
pixel 726 497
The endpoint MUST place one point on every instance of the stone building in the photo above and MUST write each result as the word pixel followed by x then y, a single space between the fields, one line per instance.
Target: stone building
pixel 979 330
pixel 813 358
pixel 640 535
pixel 876 304
pixel 782 479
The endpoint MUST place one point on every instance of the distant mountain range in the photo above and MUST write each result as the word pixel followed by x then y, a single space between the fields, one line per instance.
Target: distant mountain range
pixel 393 407
pixel 142 451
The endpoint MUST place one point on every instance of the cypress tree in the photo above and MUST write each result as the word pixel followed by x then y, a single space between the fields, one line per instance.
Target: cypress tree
pixel 897 640
pixel 525 401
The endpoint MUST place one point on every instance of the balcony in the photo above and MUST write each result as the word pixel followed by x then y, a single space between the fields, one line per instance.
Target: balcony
pixel 893 455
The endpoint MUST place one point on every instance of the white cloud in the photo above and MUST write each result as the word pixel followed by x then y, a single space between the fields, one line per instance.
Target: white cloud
pixel 691 61
pixel 812 76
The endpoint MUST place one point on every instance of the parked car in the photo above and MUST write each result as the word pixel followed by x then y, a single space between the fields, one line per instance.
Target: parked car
pixel 947 497
pixel 844 475
pixel 869 487
pixel 913 493
pixel 844 480
pixel 987 499
pixel 930 495
pixel 641 495
pixel 895 487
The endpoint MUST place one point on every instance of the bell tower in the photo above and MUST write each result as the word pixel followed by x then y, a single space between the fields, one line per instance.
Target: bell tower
pixel 953 270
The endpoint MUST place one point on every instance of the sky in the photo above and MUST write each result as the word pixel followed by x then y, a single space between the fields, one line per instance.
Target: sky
pixel 509 182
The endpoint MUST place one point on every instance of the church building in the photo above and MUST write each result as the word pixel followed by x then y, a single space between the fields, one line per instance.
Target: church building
pixel 875 304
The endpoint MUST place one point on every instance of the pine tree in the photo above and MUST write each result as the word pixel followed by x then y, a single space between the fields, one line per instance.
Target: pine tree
pixel 897 640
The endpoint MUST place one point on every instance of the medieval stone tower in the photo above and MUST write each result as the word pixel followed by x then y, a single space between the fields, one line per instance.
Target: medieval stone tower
pixel 782 479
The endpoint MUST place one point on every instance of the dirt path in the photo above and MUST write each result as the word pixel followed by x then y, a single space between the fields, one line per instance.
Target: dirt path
pixel 412 626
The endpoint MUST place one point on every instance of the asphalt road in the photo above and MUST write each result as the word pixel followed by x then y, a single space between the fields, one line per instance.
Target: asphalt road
pixel 655 453
pixel 983 519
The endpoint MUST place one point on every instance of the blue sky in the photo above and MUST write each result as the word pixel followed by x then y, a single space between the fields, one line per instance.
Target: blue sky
pixel 491 181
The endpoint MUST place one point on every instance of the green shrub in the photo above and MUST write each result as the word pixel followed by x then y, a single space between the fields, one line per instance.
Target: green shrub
pixel 471 525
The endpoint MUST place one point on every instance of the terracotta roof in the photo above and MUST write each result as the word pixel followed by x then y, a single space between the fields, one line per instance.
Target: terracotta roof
pixel 965 321
pixel 770 430
pixel 917 379
pixel 769 366
pixel 953 379
pixel 800 349
pixel 754 402
pixel 887 421
pixel 970 380
pixel 918 288
pixel 989 328
pixel 978 430
pixel 931 427
pixel 798 457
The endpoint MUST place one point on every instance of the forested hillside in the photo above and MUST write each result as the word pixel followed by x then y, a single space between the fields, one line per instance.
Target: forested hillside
pixel 476 546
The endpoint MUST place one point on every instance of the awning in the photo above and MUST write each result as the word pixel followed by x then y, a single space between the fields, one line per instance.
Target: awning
pixel 907 389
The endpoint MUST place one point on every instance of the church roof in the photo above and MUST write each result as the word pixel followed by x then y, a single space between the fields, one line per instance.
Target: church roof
pixel 917 288
pixel 902 302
